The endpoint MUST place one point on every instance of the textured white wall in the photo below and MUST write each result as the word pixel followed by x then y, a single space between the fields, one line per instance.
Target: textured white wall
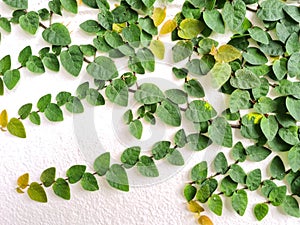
pixel 150 202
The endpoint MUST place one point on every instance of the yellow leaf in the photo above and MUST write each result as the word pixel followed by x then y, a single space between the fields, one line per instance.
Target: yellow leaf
pixel 19 190
pixel 158 49
pixel 194 207
pixel 227 53
pixel 256 116
pixel 158 16
pixel 3 119
pixel 168 27
pixel 23 181
pixel 118 27
pixel 204 220
pixel 79 2
pixel 190 28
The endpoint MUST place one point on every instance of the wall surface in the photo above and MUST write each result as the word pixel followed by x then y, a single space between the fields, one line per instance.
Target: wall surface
pixel 79 139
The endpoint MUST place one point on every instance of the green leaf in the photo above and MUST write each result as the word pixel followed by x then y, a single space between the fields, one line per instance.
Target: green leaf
pixel 57 34
pixel 146 58
pixel 280 68
pixel 62 189
pixel 234 14
pixel 238 152
pixel 11 78
pixel 189 192
pixel 130 156
pixel 116 176
pixel 190 28
pixel 101 163
pixel 294 65
pixel 269 127
pixel 180 138
pixel 277 195
pixel 147 167
pixel 253 179
pixel 259 35
pixel 43 102
pixel 239 201
pixel 220 163
pixel 277 169
pixel 94 98
pixel 293 107
pixel 53 113
pixel 199 172
pixel 257 153
pixel 19 4
pixel 245 79
pixel 103 68
pixel 44 14
pixel 169 113
pixel 261 210
pixel 289 135
pixel 237 174
pixel 16 128
pixel 203 193
pixel 291 207
pixel 215 204
pixel 72 60
pixel 293 12
pixel 55 6
pixel 34 117
pixel 228 186
pixel 200 111
pixel 239 99
pixel 128 116
pixel 220 73
pixel 90 26
pixel 214 21
pixel 24 55
pixel 5 64
pixel 254 56
pixel 113 39
pixel 48 176
pixel 265 105
pixel 292 44
pixel 89 182
pixel 294 158
pixel 30 22
pixel 267 187
pixel 147 25
pixel 136 128
pixel 51 62
pixel 132 34
pixel 148 94
pixel 117 92
pixel 198 142
pixel 220 132
pixel 160 149
pixel 75 173
pixel 37 193
pixel 175 158
pixel 106 19
pixel 35 64
pixel 24 111
pixel 271 10
pixel 180 73
pixel 70 5
pixel 176 95
pixel 182 50
pixel 5 24
pixel 194 88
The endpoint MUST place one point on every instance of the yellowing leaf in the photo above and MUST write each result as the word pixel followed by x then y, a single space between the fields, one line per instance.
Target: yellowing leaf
pixel 19 190
pixel 190 28
pixel 118 27
pixel 158 16
pixel 3 119
pixel 79 2
pixel 168 27
pixel 23 180
pixel 194 207
pixel 158 48
pixel 204 220
pixel 257 117
pixel 227 53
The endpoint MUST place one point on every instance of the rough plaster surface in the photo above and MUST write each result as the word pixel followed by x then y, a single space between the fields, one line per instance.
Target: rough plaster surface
pixel 149 202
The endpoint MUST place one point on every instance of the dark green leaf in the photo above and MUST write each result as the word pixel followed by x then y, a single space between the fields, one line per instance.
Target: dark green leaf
pixel 24 111
pixel 89 182
pixel 239 201
pixel 160 149
pixel 198 142
pixel 51 62
pixel 277 168
pixel 130 156
pixel 116 176
pixel 35 64
pixel 228 186
pixel 220 132
pixel 257 153
pixel 277 195
pixel 34 117
pixel 189 192
pixel 261 210
pixel 90 26
pixel 238 152
pixel 106 19
pixel 72 60
pixel 101 163
pixel 237 174
pixel 30 22
pixel 5 64
pixel 62 189
pixel 24 55
pixel 75 173
pixel 48 176
pixel 253 179
pixel 70 5
pixel 147 167
pixel 220 163
pixel 53 113
pixel 57 34
pixel 271 10
pixel 43 102
pixel 5 24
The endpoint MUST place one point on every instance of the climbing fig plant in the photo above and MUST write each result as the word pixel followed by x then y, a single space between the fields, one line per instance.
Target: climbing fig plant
pixel 255 67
